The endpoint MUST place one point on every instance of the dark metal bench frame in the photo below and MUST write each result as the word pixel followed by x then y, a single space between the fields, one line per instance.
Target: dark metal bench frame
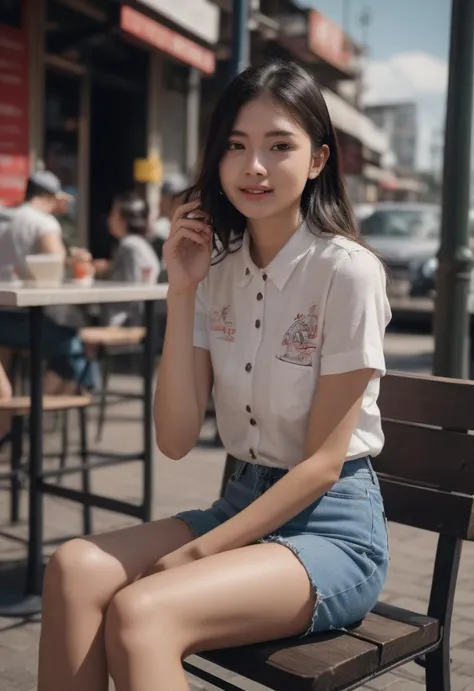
pixel 427 477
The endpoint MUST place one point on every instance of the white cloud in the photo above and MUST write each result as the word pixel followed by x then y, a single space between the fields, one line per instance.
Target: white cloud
pixel 406 76
pixel 417 77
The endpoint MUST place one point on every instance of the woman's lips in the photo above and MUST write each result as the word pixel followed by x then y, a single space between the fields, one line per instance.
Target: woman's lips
pixel 256 193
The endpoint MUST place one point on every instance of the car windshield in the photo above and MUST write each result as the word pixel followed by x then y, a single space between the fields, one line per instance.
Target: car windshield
pixel 401 223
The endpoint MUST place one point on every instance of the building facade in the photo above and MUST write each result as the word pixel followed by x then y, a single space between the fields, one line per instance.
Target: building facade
pixel 103 93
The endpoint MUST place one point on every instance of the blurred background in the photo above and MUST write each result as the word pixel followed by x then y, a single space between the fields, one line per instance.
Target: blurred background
pixel 111 95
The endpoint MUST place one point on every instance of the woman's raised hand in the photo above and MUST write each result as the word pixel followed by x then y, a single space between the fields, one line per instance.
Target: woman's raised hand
pixel 187 252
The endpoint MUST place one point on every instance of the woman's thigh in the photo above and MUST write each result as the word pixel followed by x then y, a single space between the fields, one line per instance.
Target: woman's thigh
pixel 253 594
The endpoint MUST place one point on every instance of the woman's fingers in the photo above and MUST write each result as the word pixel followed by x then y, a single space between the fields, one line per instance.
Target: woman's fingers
pixel 184 209
pixel 199 237
pixel 192 223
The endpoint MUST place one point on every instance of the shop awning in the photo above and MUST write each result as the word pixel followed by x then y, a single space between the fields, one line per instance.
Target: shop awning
pixel 354 123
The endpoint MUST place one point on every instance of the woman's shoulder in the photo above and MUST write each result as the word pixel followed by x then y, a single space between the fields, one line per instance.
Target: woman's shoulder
pixel 344 253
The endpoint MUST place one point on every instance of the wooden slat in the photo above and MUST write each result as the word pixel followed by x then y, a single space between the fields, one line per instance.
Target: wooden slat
pixel 428 509
pixel 323 663
pixel 428 456
pixel 112 335
pixel 398 636
pixel 428 400
pixel 20 405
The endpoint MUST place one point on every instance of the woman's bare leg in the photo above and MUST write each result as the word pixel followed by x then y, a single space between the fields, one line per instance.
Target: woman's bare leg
pixel 253 594
pixel 80 580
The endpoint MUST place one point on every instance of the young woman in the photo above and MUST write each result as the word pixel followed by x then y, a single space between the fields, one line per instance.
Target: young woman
pixel 134 260
pixel 287 324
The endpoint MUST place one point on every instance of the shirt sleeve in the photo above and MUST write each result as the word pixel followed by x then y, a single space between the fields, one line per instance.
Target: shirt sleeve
pixel 356 315
pixel 51 225
pixel 201 334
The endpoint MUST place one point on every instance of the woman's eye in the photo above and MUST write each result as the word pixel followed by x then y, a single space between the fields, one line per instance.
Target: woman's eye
pixel 281 147
pixel 234 146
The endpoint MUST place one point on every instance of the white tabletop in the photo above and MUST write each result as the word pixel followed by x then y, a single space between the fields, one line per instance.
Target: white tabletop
pixel 28 295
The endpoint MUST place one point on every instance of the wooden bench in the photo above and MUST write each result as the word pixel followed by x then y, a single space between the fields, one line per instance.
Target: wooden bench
pixel 427 477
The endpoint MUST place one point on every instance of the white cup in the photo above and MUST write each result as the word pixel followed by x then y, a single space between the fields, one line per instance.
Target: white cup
pixel 45 269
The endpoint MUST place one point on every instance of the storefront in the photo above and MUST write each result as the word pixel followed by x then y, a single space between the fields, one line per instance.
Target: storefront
pixel 97 86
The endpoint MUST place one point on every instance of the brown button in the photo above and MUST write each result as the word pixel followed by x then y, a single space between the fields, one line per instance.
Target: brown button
pixel 264 276
pixel 248 367
pixel 259 296
pixel 253 422
pixel 247 271
pixel 248 409
pixel 252 453
pixel 257 324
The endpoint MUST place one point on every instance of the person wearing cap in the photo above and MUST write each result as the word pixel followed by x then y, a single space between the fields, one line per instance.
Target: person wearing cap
pixel 172 189
pixel 33 229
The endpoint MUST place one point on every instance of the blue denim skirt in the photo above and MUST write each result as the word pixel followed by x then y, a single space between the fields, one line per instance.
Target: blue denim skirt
pixel 341 539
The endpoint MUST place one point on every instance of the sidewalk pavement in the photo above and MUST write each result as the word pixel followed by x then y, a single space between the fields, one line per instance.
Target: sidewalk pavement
pixel 194 482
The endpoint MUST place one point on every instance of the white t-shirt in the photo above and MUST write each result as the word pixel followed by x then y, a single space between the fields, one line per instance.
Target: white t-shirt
pixel 21 237
pixel 320 307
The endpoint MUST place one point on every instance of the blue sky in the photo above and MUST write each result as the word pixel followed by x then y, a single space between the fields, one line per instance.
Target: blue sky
pixel 408 44
pixel 397 25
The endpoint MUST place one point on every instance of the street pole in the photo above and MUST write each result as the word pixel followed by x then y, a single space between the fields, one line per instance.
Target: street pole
pixel 240 58
pixel 455 256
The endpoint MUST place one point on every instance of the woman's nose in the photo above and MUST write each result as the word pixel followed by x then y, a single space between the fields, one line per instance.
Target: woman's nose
pixel 255 165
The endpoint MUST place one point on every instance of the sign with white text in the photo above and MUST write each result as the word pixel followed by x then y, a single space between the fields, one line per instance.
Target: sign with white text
pixel 199 17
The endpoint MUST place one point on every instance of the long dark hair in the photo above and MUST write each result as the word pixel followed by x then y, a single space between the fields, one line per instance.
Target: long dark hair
pixel 324 202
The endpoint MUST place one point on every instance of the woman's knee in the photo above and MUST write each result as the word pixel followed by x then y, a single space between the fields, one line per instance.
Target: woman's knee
pixel 138 618
pixel 80 570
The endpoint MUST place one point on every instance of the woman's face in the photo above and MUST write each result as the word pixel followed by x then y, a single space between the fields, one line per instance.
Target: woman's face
pixel 268 161
pixel 115 223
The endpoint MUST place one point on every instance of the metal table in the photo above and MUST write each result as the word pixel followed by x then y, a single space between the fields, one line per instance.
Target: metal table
pixel 28 601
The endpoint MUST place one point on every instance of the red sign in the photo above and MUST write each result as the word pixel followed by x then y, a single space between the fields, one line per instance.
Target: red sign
pixel 150 31
pixel 14 158
pixel 329 42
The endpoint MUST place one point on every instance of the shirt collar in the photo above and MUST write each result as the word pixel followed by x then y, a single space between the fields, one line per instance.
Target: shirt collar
pixel 282 266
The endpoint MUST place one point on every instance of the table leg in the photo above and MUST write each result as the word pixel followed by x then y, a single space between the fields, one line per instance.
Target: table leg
pixel 148 427
pixel 16 603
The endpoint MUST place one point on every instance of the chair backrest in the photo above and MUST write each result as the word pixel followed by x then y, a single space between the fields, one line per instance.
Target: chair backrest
pixel 426 468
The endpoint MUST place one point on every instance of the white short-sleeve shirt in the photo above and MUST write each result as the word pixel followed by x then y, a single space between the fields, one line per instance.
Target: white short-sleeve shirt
pixel 320 307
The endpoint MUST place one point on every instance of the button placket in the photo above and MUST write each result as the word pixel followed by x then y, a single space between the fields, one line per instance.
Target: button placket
pixel 255 342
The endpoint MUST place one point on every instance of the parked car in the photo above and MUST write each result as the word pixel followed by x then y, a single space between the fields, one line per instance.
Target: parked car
pixel 406 236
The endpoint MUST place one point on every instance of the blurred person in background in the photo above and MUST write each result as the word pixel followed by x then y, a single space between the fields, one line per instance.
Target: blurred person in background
pixel 33 229
pixel 172 190
pixel 134 260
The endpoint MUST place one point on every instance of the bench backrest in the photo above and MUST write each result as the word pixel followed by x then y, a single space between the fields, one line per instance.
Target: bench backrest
pixel 426 468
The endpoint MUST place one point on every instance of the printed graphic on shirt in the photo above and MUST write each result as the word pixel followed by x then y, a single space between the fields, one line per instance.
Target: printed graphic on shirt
pixel 221 321
pixel 299 341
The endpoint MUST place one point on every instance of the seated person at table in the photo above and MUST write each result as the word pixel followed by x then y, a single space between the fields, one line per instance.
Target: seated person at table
pixel 172 190
pixel 134 260
pixel 35 230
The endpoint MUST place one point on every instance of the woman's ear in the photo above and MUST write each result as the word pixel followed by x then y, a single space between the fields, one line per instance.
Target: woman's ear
pixel 318 161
